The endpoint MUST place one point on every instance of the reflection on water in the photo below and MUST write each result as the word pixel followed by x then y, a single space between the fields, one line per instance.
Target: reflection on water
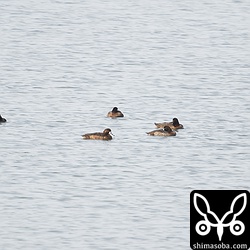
pixel 65 65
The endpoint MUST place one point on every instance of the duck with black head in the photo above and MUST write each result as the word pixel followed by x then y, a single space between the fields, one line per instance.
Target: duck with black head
pixel 105 135
pixel 175 125
pixel 115 113
pixel 2 119
pixel 166 131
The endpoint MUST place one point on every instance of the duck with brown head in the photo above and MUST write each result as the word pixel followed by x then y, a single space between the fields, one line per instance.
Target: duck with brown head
pixel 115 113
pixel 105 135
pixel 166 131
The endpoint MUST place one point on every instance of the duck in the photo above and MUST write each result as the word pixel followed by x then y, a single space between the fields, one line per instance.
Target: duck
pixel 105 135
pixel 115 113
pixel 2 119
pixel 166 131
pixel 175 125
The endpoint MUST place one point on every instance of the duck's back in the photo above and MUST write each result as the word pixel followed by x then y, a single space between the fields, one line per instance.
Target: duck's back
pixel 115 114
pixel 162 124
pixel 97 136
pixel 161 132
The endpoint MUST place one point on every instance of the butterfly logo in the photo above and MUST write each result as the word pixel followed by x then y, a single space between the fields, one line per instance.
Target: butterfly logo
pixel 203 227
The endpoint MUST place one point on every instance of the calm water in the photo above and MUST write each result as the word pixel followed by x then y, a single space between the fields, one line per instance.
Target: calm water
pixel 64 65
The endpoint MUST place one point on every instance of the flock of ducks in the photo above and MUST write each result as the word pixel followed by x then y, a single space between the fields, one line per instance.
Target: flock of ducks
pixel 164 128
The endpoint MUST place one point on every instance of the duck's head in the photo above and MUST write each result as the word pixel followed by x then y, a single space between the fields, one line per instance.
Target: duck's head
pixel 106 131
pixel 115 109
pixel 167 129
pixel 176 122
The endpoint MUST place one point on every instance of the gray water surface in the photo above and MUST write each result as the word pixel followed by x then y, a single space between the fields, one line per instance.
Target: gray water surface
pixel 64 65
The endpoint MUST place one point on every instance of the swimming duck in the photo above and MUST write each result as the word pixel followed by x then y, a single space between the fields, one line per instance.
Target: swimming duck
pixel 2 119
pixel 105 135
pixel 173 125
pixel 166 131
pixel 115 113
